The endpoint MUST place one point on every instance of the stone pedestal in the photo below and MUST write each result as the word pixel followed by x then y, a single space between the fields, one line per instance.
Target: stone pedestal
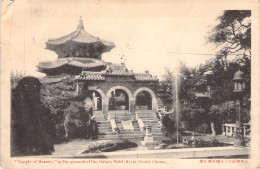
pixel 148 139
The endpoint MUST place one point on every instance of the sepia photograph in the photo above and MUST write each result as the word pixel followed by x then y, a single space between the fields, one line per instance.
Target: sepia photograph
pixel 129 84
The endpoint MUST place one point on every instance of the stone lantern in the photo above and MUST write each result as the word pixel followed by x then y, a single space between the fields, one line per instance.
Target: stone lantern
pixel 239 82
pixel 239 88
pixel 148 139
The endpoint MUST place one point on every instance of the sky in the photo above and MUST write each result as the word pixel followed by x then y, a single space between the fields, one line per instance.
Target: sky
pixel 148 36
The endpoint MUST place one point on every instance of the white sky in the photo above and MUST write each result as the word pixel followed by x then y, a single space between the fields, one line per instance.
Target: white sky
pixel 144 33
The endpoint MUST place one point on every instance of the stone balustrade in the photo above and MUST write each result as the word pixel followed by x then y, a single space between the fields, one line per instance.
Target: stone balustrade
pixel 231 129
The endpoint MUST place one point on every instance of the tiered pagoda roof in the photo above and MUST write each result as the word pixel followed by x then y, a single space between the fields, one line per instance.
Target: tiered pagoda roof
pixel 77 62
pixel 80 36
pixel 79 53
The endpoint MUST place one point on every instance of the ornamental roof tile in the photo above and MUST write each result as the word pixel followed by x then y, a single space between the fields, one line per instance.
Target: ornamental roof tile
pixel 118 70
pixel 77 62
pixel 50 80
pixel 145 77
pixel 87 75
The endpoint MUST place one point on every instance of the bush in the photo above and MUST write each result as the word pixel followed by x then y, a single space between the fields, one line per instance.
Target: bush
pixel 168 126
pixel 70 117
pixel 32 127
pixel 110 146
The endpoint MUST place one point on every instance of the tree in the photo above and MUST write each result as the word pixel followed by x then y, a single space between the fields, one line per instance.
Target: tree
pixel 69 109
pixel 192 80
pixel 165 89
pixel 233 32
pixel 15 77
pixel 32 127
pixel 232 35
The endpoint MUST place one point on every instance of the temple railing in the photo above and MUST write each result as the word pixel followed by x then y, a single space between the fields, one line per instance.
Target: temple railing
pixel 231 129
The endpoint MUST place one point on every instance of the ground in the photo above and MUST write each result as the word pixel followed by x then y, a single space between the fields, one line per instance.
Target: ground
pixel 77 146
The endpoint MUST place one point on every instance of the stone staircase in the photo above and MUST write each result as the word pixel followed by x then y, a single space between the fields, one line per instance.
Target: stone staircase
pixel 104 129
pixel 123 134
pixel 120 115
pixel 106 133
pixel 149 118
pixel 99 115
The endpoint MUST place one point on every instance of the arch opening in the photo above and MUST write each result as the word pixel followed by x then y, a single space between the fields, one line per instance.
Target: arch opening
pixel 118 100
pixel 143 101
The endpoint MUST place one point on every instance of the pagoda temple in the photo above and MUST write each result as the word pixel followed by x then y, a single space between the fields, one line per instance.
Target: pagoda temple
pixel 119 94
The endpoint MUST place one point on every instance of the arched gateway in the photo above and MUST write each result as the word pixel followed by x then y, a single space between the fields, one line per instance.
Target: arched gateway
pixel 145 93
pixel 119 98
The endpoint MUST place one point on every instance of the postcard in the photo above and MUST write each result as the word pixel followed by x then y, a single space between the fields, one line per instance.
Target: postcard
pixel 130 84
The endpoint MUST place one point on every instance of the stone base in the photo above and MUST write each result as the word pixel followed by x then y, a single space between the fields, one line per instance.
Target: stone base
pixel 148 139
pixel 149 143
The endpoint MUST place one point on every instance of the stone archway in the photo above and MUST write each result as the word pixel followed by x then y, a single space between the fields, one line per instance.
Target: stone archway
pixel 126 97
pixel 154 99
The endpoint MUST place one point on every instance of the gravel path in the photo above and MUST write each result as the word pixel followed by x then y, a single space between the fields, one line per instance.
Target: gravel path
pixel 74 147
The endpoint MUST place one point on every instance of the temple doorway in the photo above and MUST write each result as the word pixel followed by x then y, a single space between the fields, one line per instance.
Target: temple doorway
pixel 97 99
pixel 118 100
pixel 143 101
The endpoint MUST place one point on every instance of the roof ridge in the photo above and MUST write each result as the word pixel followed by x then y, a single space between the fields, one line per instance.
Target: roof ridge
pixel 60 37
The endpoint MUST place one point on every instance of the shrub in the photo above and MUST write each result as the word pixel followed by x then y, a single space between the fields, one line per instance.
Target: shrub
pixel 32 127
pixel 168 125
pixel 70 117
pixel 110 146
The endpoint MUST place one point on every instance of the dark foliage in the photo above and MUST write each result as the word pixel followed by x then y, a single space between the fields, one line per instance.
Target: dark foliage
pixel 111 146
pixel 32 127
pixel 233 32
pixel 168 125
pixel 71 111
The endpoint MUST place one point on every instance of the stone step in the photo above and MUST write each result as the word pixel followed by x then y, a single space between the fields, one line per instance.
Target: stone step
pixel 104 127
pixel 147 118
pixel 146 114
pixel 99 117
pixel 105 130
pixel 108 133
pixel 106 137
pixel 152 123
pixel 103 122
pixel 129 131
pixel 121 135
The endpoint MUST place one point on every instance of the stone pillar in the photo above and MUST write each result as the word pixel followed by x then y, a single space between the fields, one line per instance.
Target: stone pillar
pixel 235 131
pixel 132 105
pixel 223 130
pixel 105 105
pixel 244 130
pixel 79 87
pixel 154 104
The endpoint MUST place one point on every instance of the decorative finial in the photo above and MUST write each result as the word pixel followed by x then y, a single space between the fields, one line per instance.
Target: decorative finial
pixel 80 25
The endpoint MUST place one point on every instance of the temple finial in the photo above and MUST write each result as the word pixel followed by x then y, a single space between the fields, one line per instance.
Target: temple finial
pixel 80 25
